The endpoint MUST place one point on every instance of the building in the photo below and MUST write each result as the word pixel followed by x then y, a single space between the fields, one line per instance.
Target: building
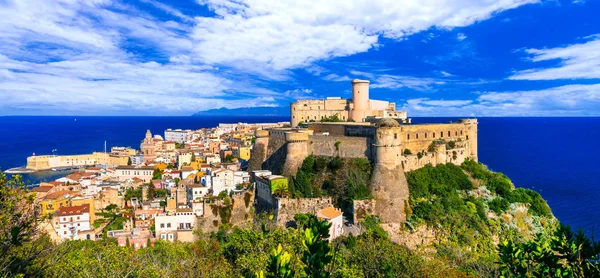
pixel 73 222
pixel 124 173
pixel 177 227
pixel 148 148
pixel 242 152
pixel 54 201
pixel 266 185
pixel 176 135
pixel 358 109
pixel 335 218
pixel 47 162
pixel 221 180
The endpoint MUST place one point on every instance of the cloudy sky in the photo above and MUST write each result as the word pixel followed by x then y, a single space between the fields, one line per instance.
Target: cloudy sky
pixel 432 57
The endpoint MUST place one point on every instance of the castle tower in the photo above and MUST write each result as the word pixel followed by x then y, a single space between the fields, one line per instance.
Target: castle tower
pixel 388 182
pixel 296 151
pixel 360 100
pixel 259 150
pixel 471 136
pixel 148 134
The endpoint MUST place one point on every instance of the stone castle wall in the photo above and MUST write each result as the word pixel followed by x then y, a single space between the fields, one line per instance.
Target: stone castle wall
pixel 288 208
pixel 348 147
pixel 241 210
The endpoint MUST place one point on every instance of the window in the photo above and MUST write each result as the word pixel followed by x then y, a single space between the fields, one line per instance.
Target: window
pixel 441 134
pixel 78 224
pixel 467 137
pixel 77 217
pixel 163 236
pixel 461 132
pixel 170 236
pixel 408 136
pixel 425 135
pixel 162 225
pixel 448 133
pixel 168 225
pixel 417 136
pixel 395 136
pixel 88 237
pixel 65 233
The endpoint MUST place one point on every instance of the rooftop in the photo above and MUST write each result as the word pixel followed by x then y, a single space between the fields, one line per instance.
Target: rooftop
pixel 74 210
pixel 329 213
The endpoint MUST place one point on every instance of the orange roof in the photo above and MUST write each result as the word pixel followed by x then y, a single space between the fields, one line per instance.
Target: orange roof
pixel 59 194
pixel 74 210
pixel 329 213
pixel 42 189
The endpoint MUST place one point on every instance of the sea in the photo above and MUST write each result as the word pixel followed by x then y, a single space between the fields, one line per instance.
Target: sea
pixel 554 156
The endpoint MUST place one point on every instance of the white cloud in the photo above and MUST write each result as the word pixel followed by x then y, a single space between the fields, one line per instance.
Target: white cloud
pixel 336 78
pixel 569 100
pixel 85 86
pixel 390 81
pixel 577 61
pixel 290 34
pixel 461 36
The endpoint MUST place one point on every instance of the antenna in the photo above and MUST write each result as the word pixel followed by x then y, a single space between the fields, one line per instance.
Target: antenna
pixel 105 158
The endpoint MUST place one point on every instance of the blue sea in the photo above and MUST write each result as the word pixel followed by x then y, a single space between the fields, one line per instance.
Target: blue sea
pixel 554 156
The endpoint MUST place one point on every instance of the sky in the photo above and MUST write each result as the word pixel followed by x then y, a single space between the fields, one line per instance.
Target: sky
pixel 171 58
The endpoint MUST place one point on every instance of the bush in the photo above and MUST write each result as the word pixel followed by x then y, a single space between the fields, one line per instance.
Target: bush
pixel 499 205
pixel 407 152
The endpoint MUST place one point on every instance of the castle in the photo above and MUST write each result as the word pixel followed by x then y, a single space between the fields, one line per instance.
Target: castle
pixel 358 109
pixel 393 145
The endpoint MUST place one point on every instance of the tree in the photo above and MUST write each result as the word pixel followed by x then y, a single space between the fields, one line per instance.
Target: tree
pixel 333 118
pixel 129 161
pixel 563 254
pixel 150 191
pixel 316 253
pixel 407 152
pixel 229 158
pixel 18 226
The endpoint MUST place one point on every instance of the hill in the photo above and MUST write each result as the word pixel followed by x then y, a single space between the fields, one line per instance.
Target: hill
pixel 247 111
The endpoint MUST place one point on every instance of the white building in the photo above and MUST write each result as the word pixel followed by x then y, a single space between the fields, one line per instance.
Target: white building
pixel 176 135
pixel 221 179
pixel 335 218
pixel 72 221
pixel 124 173
pixel 196 192
pixel 240 177
pixel 177 227
pixel 137 159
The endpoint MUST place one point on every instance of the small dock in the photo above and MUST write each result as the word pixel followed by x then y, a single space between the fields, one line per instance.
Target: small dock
pixel 19 170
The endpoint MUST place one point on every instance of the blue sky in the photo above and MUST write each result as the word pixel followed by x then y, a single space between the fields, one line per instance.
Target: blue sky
pixel 431 57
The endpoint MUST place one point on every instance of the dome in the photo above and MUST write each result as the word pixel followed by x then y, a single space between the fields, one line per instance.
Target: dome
pixel 388 122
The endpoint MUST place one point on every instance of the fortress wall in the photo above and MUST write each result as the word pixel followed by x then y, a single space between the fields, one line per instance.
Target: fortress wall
pixel 287 208
pixel 276 155
pixel 241 212
pixel 362 208
pixel 417 138
pixel 349 147
pixel 442 156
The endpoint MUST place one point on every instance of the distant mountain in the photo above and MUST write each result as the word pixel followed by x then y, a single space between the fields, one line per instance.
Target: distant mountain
pixel 247 111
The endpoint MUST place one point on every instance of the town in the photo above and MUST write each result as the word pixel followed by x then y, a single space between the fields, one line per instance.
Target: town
pixel 190 180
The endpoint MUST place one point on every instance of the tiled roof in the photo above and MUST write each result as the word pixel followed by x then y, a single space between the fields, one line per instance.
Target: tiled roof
pixel 329 212
pixel 42 189
pixel 74 210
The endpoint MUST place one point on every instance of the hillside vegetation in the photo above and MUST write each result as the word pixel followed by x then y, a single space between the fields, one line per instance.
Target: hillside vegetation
pixel 483 227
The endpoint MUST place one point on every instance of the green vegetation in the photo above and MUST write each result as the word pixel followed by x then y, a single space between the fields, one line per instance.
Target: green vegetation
pixel 407 152
pixel 229 158
pixel 334 118
pixel 561 254
pixel 343 179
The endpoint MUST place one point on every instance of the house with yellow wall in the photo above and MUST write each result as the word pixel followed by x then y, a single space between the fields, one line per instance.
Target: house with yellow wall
pixel 53 201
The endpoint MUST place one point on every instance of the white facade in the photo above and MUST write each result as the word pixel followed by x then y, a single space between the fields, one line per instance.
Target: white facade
pixel 176 135
pixel 124 173
pixel 221 180
pixel 240 177
pixel 167 226
pixel 71 221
